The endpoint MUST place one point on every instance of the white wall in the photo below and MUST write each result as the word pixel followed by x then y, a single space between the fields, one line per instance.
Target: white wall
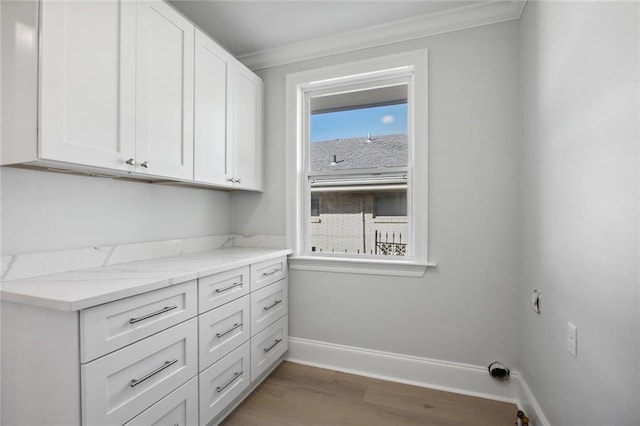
pixel 462 311
pixel 579 65
pixel 45 211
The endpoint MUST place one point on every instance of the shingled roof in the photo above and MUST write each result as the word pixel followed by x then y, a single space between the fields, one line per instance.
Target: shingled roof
pixel 360 153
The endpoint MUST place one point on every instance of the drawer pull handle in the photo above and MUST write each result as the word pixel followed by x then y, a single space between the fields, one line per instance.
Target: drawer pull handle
pixel 224 333
pixel 167 364
pixel 234 285
pixel 276 303
pixel 226 385
pixel 275 343
pixel 153 314
pixel 266 274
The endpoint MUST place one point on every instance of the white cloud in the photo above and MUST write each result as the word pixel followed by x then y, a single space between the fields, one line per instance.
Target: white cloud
pixel 387 119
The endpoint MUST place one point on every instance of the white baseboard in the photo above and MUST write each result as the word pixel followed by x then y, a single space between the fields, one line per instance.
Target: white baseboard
pixel 460 378
pixel 529 404
pixel 448 376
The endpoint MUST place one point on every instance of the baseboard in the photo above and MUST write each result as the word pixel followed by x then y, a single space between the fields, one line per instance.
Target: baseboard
pixel 529 404
pixel 460 378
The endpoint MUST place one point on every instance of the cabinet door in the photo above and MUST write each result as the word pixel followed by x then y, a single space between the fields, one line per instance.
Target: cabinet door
pixel 213 156
pixel 164 102
pixel 247 129
pixel 87 81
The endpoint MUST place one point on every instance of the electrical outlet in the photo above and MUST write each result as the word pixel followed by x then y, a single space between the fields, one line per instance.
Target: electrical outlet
pixel 572 339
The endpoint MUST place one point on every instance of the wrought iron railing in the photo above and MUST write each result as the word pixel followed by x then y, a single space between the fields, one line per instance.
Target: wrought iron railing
pixel 390 248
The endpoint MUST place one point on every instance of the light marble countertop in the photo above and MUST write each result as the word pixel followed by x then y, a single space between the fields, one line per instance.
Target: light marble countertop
pixel 84 288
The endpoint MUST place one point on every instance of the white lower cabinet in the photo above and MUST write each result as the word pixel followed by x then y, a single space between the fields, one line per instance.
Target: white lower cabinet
pixel 223 382
pixel 117 385
pixel 185 354
pixel 222 330
pixel 244 336
pixel 217 289
pixel 105 328
pixel 179 408
pixel 267 305
pixel 268 346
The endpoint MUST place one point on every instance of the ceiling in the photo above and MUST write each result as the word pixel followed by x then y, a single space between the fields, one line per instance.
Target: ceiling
pixel 247 27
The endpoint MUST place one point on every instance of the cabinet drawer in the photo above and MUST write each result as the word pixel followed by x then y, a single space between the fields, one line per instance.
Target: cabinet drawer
pixel 118 386
pixel 108 327
pixel 267 305
pixel 267 272
pixel 222 330
pixel 268 346
pixel 218 289
pixel 179 408
pixel 221 383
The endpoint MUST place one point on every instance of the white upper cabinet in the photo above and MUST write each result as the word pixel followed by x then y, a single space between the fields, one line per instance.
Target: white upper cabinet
pixel 228 119
pixel 87 83
pixel 247 129
pixel 164 91
pixel 213 153
pixel 126 88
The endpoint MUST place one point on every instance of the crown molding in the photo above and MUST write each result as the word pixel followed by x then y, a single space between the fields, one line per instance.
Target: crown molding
pixel 490 12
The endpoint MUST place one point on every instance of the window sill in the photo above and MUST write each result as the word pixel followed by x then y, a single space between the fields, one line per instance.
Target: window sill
pixel 395 268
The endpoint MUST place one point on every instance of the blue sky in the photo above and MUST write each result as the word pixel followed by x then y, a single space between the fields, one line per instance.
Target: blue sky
pixel 384 120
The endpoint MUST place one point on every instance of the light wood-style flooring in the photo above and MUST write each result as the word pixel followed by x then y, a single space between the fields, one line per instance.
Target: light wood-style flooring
pixel 296 394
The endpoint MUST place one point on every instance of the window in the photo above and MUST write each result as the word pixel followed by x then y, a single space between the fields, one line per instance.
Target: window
pixel 357 145
pixel 357 157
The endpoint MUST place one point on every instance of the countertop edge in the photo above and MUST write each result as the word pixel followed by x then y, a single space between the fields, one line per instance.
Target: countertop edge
pixel 238 259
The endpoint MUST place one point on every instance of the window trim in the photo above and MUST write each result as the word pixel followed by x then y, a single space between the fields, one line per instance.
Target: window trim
pixel 349 75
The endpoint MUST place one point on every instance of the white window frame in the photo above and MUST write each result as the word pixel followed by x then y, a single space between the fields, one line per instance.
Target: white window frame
pixel 411 65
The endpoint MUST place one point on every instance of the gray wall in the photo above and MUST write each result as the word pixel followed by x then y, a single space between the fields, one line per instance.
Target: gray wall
pixel 462 311
pixel 45 211
pixel 579 230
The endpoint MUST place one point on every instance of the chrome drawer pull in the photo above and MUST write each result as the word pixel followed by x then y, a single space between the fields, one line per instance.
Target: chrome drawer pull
pixel 219 335
pixel 153 314
pixel 275 343
pixel 234 285
pixel 266 274
pixel 167 364
pixel 276 303
pixel 226 385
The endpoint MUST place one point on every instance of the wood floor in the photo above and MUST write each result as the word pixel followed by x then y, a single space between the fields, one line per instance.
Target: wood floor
pixel 295 394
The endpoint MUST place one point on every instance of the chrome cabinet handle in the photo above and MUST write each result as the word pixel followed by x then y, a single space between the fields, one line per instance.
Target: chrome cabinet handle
pixel 224 333
pixel 276 303
pixel 167 364
pixel 226 385
pixel 266 274
pixel 275 343
pixel 230 179
pixel 237 180
pixel 144 164
pixel 234 285
pixel 153 314
pixel 131 162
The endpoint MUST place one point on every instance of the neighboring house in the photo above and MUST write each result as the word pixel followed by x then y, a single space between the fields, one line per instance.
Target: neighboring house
pixel 359 218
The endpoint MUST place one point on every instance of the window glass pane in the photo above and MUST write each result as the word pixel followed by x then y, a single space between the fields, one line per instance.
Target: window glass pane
pixel 315 206
pixel 347 223
pixel 391 204
pixel 359 130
